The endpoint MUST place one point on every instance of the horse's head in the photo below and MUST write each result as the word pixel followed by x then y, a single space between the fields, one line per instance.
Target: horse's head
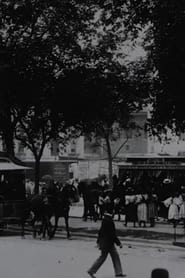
pixel 71 193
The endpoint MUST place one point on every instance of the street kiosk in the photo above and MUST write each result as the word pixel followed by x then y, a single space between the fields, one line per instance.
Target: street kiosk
pixel 12 191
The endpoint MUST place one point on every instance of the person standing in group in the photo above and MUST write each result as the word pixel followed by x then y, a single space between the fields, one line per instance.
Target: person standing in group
pixel 131 210
pixel 182 210
pixel 173 211
pixel 142 210
pixel 152 208
pixel 106 241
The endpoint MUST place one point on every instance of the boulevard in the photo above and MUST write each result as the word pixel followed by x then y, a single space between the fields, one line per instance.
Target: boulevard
pixel 92 127
pixel 143 250
pixel 62 258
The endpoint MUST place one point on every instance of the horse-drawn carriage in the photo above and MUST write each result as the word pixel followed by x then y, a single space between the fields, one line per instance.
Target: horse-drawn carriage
pixel 12 191
pixel 10 212
pixel 16 208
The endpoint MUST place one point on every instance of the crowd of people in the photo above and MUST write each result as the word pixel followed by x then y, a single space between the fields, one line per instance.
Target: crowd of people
pixel 139 204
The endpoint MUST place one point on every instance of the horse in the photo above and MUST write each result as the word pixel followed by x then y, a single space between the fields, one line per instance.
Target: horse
pixel 36 208
pixel 89 190
pixel 61 206
pixel 46 206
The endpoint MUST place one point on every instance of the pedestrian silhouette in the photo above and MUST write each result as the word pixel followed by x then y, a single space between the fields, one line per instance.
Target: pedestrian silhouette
pixel 106 241
pixel 160 273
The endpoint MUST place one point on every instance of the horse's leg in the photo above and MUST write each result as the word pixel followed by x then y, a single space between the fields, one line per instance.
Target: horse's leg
pixel 33 226
pixel 52 233
pixel 97 211
pixel 113 214
pixel 66 217
pixel 94 214
pixel 24 216
pixel 49 229
pixel 101 211
pixel 23 220
pixel 41 227
pixel 45 229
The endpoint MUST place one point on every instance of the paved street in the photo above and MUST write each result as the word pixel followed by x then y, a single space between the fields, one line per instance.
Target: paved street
pixel 143 250
pixel 28 258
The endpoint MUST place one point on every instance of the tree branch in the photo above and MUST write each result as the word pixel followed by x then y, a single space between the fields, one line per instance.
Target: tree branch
pixel 31 146
pixel 120 147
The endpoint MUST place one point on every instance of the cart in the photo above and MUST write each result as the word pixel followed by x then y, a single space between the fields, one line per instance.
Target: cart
pixel 10 212
pixel 12 191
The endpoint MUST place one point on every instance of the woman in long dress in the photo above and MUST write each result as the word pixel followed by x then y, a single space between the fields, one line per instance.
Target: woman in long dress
pixel 182 210
pixel 142 210
pixel 173 212
pixel 152 209
pixel 130 210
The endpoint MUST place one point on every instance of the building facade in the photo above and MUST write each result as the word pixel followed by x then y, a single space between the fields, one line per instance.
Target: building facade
pixel 83 158
pixel 87 158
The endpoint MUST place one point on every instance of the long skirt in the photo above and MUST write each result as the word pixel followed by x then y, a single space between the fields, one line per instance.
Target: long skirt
pixel 182 211
pixel 152 210
pixel 173 212
pixel 142 212
pixel 131 213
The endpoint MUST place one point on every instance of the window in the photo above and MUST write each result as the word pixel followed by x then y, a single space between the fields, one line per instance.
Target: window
pixel 20 148
pixel 127 147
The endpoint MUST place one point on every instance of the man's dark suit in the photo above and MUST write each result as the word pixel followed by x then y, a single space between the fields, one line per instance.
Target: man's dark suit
pixel 107 234
pixel 106 241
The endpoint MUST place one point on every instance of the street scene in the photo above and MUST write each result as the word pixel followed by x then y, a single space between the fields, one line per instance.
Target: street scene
pixel 30 258
pixel 60 257
pixel 92 139
pixel 144 249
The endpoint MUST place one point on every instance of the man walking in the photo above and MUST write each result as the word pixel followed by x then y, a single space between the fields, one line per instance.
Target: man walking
pixel 106 242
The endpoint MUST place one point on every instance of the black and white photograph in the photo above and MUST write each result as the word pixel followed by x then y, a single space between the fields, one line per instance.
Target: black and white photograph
pixel 92 138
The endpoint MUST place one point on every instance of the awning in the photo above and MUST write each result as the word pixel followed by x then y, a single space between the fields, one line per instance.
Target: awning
pixel 152 167
pixel 10 166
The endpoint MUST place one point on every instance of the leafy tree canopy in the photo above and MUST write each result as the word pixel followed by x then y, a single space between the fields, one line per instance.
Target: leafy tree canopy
pixel 165 21
pixel 41 39
pixel 45 40
pixel 95 97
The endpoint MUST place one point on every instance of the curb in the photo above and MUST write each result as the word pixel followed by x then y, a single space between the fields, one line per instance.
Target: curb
pixel 91 233
pixel 161 245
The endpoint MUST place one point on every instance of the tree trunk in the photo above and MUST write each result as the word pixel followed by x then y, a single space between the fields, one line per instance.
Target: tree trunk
pixel 37 175
pixel 110 158
pixel 110 172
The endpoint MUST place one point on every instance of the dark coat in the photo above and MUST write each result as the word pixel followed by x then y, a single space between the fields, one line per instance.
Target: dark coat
pixel 107 234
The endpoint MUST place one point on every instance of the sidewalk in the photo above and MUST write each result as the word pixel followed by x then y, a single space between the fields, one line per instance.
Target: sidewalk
pixel 162 233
